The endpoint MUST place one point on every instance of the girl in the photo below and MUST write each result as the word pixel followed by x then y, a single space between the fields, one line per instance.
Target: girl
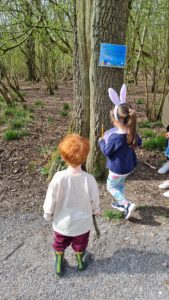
pixel 118 146
pixel 72 197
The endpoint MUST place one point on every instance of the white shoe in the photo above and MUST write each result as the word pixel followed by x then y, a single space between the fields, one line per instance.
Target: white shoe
pixel 129 210
pixel 164 169
pixel 164 185
pixel 166 194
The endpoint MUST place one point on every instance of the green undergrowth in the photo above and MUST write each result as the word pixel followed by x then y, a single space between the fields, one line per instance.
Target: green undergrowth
pixel 155 143
pixel 13 134
pixel 51 120
pixel 16 119
pixel 112 215
pixel 148 124
pixel 39 103
pixel 64 112
pixel 148 133
pixel 54 165
pixel 139 101
pixel 153 137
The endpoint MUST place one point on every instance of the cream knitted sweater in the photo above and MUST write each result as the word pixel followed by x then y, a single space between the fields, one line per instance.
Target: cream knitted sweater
pixel 72 197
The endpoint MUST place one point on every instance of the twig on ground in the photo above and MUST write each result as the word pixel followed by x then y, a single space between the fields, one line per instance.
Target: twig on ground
pixel 147 164
pixel 14 250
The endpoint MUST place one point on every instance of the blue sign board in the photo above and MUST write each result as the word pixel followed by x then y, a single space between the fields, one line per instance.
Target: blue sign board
pixel 112 55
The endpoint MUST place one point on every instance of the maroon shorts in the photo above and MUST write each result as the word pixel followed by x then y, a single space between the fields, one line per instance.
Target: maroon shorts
pixel 79 243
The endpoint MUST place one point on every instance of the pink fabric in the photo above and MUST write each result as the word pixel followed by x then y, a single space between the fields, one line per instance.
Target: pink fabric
pixel 79 243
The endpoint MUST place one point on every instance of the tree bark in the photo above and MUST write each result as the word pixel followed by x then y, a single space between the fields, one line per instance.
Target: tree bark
pixel 30 54
pixel 138 60
pixel 96 22
pixel 30 45
pixel 81 107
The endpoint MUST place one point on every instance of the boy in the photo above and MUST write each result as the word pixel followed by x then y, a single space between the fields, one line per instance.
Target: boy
pixel 71 200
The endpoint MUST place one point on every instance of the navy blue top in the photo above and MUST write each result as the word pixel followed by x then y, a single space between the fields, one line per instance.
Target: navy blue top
pixel 121 157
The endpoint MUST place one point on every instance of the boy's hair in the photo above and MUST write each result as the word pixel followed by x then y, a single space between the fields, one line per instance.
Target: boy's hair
pixel 74 149
pixel 127 117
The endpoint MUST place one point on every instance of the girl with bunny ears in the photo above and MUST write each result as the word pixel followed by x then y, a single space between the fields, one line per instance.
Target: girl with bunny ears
pixel 118 146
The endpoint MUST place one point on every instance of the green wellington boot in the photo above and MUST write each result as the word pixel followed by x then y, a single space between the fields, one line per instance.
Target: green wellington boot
pixel 84 259
pixel 59 263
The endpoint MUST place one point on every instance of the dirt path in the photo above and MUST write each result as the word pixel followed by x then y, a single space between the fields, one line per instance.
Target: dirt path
pixel 131 258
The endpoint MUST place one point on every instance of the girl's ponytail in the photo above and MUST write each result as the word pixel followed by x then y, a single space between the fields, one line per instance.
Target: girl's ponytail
pixel 127 117
pixel 131 127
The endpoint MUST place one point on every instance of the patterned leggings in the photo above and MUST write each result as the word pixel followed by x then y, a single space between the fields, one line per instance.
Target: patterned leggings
pixel 115 185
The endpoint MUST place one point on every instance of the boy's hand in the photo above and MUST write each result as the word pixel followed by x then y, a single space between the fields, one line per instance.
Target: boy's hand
pixel 101 138
pixel 167 135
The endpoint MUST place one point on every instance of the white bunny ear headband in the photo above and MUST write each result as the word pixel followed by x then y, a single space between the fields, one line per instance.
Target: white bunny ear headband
pixel 115 98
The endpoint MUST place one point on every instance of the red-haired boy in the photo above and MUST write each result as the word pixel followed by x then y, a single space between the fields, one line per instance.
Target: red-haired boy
pixel 71 200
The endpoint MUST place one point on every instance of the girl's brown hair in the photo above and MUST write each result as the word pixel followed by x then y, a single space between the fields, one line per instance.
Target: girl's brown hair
pixel 74 149
pixel 127 118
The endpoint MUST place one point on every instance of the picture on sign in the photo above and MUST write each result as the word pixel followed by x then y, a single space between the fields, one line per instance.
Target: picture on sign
pixel 112 55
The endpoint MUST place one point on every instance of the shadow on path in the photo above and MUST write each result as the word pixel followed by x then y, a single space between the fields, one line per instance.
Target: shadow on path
pixel 148 214
pixel 127 261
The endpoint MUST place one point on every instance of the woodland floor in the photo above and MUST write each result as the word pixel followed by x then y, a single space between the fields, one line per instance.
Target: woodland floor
pixel 131 257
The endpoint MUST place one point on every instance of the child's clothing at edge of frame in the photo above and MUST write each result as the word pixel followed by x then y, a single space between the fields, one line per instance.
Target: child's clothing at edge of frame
pixel 72 197
pixel 166 152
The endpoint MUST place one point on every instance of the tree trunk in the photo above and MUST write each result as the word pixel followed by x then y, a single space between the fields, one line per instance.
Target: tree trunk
pixel 81 107
pixel 96 22
pixel 142 44
pixel 30 51
pixel 30 45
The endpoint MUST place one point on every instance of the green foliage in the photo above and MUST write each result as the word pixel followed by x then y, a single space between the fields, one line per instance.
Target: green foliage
pixel 50 120
pixel 16 118
pixel 112 214
pixel 3 120
pixel 24 132
pixel 140 101
pixel 55 164
pixel 1 99
pixel 17 123
pixel 148 124
pixel 155 143
pixel 64 113
pixel 158 123
pixel 147 133
pixel 39 103
pixel 44 171
pixel 66 106
pixel 10 111
pixel 11 134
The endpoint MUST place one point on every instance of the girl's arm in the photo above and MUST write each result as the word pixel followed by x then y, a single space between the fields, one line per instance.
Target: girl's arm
pixel 112 145
pixel 50 200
